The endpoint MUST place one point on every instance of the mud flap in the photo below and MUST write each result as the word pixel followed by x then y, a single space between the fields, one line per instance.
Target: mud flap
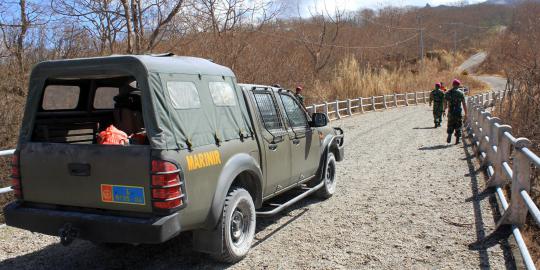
pixel 67 234
pixel 210 242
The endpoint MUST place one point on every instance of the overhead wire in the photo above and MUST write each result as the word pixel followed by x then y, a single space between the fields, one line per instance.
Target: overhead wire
pixel 394 27
pixel 464 24
pixel 343 46
pixel 446 42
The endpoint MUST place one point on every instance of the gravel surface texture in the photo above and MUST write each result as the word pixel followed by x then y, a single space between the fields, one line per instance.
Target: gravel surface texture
pixel 405 199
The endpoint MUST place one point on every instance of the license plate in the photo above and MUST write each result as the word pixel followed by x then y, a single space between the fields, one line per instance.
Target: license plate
pixel 122 194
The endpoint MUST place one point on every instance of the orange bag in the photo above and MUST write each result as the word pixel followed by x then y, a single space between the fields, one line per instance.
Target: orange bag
pixel 112 136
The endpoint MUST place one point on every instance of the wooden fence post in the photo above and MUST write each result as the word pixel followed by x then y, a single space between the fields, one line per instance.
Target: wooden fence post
pixel 395 100
pixel 373 103
pixel 314 108
pixel 361 104
pixel 384 101
pixel 416 98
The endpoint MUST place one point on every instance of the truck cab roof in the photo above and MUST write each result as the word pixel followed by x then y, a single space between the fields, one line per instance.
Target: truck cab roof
pixel 249 86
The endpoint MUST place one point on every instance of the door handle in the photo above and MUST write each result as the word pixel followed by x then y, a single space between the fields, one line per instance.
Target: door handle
pixel 79 169
pixel 272 146
pixel 296 141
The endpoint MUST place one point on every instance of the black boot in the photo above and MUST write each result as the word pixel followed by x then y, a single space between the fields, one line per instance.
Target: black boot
pixel 449 138
pixel 457 140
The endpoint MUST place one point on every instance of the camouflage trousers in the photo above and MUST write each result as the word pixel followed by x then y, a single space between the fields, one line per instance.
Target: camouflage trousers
pixel 437 115
pixel 454 125
pixel 437 112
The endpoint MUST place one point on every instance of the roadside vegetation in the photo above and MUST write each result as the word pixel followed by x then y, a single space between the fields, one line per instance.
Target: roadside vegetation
pixel 349 80
pixel 514 55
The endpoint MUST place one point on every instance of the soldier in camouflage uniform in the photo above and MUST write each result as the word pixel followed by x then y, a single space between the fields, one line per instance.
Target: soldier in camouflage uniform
pixel 437 98
pixel 298 94
pixel 454 99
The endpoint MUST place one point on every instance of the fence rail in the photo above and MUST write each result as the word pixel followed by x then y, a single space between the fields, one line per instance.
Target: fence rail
pixel 344 108
pixel 507 159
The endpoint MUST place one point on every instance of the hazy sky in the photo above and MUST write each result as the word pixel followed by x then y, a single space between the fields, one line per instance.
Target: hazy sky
pixel 350 5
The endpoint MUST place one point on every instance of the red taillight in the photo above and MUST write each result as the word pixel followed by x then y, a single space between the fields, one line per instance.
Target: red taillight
pixel 166 193
pixel 15 171
pixel 164 180
pixel 161 166
pixel 168 204
pixel 166 185
pixel 16 176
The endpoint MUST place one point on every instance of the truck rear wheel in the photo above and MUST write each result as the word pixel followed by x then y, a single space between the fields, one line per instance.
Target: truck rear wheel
pixel 238 225
pixel 329 178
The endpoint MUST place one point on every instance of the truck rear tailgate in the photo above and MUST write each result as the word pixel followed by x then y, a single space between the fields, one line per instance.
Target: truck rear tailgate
pixel 90 176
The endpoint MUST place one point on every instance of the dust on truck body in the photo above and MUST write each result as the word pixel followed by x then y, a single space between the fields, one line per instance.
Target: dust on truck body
pixel 204 154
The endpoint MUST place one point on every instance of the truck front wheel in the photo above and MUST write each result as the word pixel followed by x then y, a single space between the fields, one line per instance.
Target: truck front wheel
pixel 329 178
pixel 238 225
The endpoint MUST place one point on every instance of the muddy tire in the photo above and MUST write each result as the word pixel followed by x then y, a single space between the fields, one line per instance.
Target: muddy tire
pixel 238 225
pixel 329 178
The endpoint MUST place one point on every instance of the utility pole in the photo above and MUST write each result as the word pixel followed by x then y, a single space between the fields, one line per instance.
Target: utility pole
pixel 421 45
pixel 455 40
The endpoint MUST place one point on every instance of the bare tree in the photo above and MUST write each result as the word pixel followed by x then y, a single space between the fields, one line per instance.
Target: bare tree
pixel 325 28
pixel 154 16
pixel 101 19
pixel 227 15
pixel 15 27
pixel 232 24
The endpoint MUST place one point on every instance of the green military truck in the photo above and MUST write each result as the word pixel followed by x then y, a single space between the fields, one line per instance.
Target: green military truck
pixel 205 154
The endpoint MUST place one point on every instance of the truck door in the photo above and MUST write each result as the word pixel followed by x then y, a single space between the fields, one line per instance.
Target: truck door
pixel 276 144
pixel 305 145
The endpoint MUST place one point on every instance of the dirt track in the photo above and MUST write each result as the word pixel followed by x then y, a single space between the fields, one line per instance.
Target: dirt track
pixel 471 64
pixel 405 199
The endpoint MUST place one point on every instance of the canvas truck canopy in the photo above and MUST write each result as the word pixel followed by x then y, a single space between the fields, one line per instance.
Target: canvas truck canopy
pixel 186 101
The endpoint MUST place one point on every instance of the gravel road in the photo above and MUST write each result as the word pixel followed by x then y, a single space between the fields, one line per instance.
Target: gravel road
pixel 405 199
pixel 473 62
pixel 495 82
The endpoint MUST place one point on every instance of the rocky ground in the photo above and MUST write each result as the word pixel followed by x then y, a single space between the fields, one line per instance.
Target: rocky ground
pixel 405 199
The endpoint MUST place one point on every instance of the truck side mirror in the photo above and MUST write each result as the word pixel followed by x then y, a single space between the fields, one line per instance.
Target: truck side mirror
pixel 318 120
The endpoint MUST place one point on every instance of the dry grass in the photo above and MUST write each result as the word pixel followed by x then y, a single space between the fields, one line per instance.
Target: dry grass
pixel 349 80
